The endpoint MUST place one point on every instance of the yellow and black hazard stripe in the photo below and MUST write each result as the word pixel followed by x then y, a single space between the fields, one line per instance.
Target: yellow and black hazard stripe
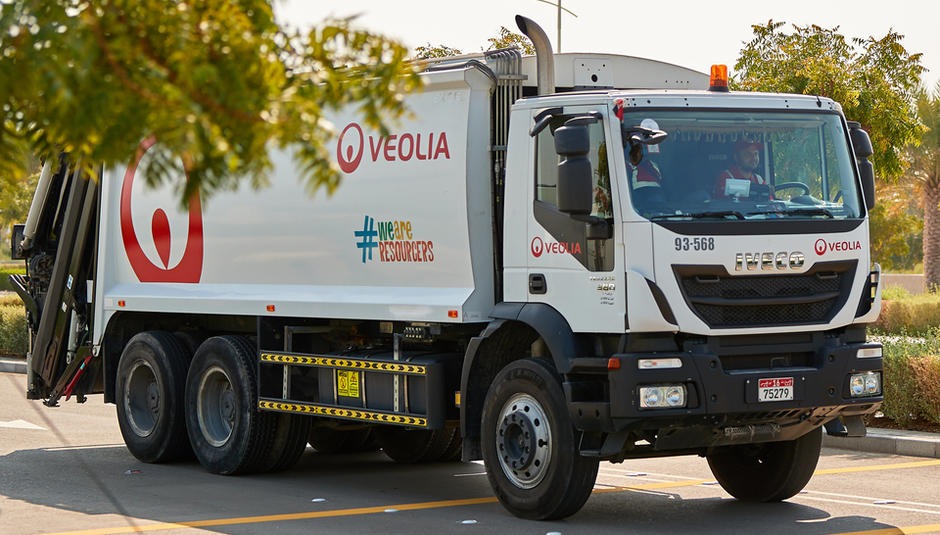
pixel 343 412
pixel 345 363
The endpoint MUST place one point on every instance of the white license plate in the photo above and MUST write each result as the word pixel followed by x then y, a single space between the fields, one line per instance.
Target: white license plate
pixel 776 389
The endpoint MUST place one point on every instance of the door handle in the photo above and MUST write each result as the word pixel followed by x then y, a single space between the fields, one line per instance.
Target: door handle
pixel 537 283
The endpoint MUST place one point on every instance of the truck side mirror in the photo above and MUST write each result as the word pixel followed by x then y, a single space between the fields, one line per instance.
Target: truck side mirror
pixel 575 176
pixel 861 146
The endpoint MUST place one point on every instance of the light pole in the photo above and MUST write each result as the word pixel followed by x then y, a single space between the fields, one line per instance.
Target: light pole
pixel 560 9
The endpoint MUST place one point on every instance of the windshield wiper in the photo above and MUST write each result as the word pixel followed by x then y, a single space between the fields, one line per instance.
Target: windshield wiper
pixel 702 215
pixel 796 211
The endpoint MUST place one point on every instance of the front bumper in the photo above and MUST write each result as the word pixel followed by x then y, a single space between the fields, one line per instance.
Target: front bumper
pixel 722 406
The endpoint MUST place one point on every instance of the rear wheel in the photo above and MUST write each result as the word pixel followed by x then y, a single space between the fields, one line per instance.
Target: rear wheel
pixel 228 433
pixel 288 443
pixel 768 472
pixel 530 447
pixel 405 445
pixel 150 379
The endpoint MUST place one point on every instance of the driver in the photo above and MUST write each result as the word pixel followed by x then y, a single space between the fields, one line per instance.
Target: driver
pixel 746 158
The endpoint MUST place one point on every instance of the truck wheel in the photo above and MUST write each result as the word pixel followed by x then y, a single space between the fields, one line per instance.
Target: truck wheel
pixel 405 445
pixel 529 444
pixel 288 444
pixel 227 431
pixel 768 472
pixel 151 376
pixel 454 450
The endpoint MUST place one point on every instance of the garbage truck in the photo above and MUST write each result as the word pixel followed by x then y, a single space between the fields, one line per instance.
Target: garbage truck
pixel 552 261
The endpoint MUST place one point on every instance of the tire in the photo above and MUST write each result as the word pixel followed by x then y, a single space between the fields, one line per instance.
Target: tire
pixel 454 450
pixel 288 443
pixel 151 377
pixel 228 433
pixel 530 446
pixel 405 445
pixel 768 472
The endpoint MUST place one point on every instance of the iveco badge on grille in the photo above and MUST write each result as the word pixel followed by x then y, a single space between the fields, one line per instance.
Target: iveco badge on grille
pixel 769 261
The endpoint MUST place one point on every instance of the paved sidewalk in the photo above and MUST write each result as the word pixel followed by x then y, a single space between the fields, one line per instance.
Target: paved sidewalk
pixel 889 441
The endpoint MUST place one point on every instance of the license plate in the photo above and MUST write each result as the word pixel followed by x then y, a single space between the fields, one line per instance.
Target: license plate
pixel 776 389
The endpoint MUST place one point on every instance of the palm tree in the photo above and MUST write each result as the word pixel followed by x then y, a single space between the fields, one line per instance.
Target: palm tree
pixel 925 166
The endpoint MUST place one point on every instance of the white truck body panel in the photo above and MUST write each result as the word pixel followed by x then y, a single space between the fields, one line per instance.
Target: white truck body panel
pixel 281 247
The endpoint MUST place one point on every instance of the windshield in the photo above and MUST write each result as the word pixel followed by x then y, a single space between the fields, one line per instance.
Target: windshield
pixel 735 165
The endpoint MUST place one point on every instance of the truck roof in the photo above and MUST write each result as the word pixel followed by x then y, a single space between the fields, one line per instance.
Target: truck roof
pixel 590 70
pixel 670 98
pixel 580 71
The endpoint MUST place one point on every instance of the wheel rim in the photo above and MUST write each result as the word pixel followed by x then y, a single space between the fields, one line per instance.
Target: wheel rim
pixel 523 441
pixel 216 406
pixel 142 399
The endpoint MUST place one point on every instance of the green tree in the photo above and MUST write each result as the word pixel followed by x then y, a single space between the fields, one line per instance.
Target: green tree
pixel 503 39
pixel 875 80
pixel 440 51
pixel 925 167
pixel 507 39
pixel 217 82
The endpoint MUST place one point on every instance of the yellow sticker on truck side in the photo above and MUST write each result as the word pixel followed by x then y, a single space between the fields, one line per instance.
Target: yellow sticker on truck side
pixel 347 383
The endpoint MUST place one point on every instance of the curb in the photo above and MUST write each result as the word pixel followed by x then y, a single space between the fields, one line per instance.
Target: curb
pixel 884 441
pixel 12 365
pixel 890 442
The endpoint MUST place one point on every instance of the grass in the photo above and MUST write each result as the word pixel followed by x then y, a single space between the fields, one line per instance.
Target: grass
pixel 7 269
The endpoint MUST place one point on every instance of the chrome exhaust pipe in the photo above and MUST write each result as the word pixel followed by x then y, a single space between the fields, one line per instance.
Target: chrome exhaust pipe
pixel 545 59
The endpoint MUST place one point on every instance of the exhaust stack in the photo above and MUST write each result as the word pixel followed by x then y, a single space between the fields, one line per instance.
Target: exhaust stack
pixel 545 59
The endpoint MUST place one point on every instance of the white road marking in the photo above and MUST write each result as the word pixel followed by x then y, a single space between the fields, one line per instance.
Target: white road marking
pixel 21 424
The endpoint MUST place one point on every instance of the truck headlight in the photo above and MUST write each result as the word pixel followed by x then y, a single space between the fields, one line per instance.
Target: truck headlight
pixel 662 397
pixel 865 384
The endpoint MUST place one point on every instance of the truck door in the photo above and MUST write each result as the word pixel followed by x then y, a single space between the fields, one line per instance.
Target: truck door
pixel 580 277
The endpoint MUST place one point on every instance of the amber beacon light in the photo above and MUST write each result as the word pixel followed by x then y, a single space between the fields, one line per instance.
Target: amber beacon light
pixel 718 81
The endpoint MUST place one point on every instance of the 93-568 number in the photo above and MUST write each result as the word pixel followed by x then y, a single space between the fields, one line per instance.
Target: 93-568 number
pixel 695 244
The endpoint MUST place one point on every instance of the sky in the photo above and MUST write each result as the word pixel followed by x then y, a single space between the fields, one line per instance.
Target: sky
pixel 694 34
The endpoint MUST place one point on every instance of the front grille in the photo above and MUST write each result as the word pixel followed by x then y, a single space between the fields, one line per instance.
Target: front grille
pixel 722 300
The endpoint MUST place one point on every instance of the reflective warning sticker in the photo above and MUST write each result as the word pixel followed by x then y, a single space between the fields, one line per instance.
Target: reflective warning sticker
pixel 347 383
pixel 340 412
pixel 338 362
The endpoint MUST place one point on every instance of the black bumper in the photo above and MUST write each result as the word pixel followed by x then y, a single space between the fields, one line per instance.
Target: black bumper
pixel 722 405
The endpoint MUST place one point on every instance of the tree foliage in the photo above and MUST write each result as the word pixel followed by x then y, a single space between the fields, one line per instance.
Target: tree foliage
pixel 430 51
pixel 504 39
pixel 875 80
pixel 217 82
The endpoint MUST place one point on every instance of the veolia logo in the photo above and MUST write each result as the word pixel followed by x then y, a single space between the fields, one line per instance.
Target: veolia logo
pixel 392 148
pixel 189 268
pixel 538 246
pixel 349 148
pixel 820 247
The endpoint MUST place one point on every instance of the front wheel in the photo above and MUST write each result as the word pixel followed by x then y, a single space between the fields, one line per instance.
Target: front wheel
pixel 768 472
pixel 530 447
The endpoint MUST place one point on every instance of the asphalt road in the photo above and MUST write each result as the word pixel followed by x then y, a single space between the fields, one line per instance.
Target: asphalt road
pixel 65 470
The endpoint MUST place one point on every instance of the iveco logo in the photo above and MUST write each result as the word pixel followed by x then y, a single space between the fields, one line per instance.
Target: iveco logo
pixel 769 261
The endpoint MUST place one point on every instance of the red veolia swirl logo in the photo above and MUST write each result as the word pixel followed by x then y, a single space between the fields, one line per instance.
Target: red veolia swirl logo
pixel 349 148
pixel 820 247
pixel 537 246
pixel 189 268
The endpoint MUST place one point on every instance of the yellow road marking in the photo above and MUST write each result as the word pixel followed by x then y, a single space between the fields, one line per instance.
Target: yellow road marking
pixel 931 528
pixel 479 501
pixel 875 467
